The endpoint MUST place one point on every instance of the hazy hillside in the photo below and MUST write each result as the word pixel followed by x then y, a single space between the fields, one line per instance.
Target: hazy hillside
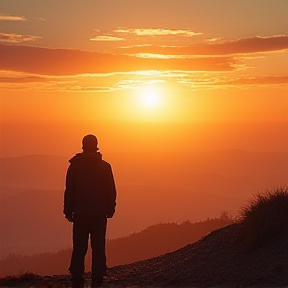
pixel 48 172
pixel 152 188
pixel 33 172
pixel 160 239
pixel 32 222
pixel 152 241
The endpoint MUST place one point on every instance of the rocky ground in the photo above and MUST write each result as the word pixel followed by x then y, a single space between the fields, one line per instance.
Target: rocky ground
pixel 220 259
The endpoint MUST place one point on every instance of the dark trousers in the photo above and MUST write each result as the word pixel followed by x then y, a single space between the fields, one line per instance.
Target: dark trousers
pixel 82 227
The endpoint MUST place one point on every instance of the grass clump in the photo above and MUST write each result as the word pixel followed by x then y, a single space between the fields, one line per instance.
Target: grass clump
pixel 265 217
pixel 23 280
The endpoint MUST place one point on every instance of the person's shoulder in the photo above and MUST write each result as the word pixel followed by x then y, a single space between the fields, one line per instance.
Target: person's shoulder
pixel 105 163
pixel 89 159
pixel 75 158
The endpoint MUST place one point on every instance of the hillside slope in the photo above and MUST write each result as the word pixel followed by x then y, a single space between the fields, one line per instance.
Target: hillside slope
pixel 219 258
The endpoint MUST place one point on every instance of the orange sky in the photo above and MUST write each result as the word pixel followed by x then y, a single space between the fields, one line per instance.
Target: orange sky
pixel 189 70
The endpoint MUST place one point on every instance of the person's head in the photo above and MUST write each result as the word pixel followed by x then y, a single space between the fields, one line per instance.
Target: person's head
pixel 90 143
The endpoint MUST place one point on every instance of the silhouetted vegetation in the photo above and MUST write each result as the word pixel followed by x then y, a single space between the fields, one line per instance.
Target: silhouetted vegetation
pixel 265 217
pixel 29 279
pixel 25 279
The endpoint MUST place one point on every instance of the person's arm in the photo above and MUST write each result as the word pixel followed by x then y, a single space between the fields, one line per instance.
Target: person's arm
pixel 112 194
pixel 69 194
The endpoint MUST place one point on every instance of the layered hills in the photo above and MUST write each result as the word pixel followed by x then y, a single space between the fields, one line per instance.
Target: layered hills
pixel 152 188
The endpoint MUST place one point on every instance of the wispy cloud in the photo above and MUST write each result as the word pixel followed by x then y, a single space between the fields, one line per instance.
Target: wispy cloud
pixel 157 32
pixel 216 64
pixel 215 81
pixel 142 34
pixel 106 38
pixel 133 80
pixel 257 80
pixel 241 46
pixel 46 61
pixel 7 17
pixel 88 89
pixel 22 79
pixel 17 38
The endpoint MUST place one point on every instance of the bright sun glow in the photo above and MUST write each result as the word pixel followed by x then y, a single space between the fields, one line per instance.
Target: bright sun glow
pixel 150 97
pixel 151 103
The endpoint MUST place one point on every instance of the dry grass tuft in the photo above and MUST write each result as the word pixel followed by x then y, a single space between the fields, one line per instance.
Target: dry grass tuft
pixel 265 217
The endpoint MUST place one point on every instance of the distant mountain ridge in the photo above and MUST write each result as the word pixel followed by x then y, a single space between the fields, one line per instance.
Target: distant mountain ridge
pixel 48 171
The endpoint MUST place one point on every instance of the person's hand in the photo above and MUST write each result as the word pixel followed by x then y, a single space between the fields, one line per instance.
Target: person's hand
pixel 70 217
pixel 110 214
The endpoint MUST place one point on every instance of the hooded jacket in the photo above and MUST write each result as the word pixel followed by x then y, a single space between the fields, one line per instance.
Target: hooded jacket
pixel 90 187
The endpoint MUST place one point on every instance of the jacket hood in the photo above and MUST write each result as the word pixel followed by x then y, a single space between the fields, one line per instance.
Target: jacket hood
pixel 84 156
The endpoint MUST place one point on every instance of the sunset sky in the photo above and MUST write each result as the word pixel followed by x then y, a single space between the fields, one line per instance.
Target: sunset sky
pixel 188 100
pixel 143 75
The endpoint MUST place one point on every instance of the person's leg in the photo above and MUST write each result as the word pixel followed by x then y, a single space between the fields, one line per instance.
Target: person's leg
pixel 80 246
pixel 98 241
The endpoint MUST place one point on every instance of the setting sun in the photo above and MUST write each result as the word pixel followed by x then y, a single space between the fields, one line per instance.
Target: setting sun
pixel 150 97
pixel 151 103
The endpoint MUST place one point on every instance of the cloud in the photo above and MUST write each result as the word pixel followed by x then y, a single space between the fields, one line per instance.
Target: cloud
pixel 126 34
pixel 7 17
pixel 157 32
pixel 89 89
pixel 258 80
pixel 17 38
pixel 241 46
pixel 133 80
pixel 210 81
pixel 106 38
pixel 46 61
pixel 22 79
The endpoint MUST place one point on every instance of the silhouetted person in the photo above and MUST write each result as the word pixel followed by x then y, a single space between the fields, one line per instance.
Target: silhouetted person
pixel 89 199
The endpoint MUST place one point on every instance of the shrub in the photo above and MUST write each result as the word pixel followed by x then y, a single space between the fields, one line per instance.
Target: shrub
pixel 21 280
pixel 265 216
